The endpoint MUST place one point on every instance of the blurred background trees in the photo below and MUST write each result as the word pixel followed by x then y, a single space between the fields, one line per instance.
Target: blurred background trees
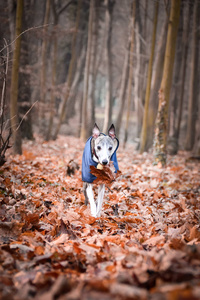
pixel 86 61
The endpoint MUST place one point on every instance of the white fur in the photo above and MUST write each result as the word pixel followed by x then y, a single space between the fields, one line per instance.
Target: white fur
pixel 95 208
pixel 90 195
pixel 101 191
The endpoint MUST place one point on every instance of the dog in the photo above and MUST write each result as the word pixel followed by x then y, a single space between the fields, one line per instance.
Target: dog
pixel 99 149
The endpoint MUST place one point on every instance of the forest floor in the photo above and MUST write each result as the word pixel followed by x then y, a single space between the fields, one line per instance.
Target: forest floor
pixel 146 244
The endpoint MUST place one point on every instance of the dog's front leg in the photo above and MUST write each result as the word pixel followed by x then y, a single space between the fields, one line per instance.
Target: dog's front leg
pixel 90 195
pixel 101 191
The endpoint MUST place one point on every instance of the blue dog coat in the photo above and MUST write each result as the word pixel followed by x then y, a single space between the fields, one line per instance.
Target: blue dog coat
pixel 87 161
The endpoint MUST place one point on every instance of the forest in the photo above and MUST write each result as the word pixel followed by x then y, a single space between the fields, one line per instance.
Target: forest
pixel 66 65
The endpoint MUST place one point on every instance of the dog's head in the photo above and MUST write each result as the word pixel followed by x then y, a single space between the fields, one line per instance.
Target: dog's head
pixel 103 146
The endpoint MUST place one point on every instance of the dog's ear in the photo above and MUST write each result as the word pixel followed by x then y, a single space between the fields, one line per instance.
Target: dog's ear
pixel 111 132
pixel 95 131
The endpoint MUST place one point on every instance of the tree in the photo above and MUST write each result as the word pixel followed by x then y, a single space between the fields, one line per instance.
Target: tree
pixel 54 66
pixel 192 107
pixel 122 92
pixel 186 27
pixel 86 75
pixel 94 65
pixel 108 102
pixel 75 94
pixel 130 76
pixel 24 86
pixel 70 72
pixel 43 67
pixel 138 67
pixel 179 79
pixel 156 80
pixel 4 134
pixel 24 96
pixel 160 139
pixel 148 88
pixel 15 80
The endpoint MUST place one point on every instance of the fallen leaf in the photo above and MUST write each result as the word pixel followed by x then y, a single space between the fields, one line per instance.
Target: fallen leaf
pixel 105 175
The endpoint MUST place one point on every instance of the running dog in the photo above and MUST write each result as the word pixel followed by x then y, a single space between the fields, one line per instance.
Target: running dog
pixel 99 149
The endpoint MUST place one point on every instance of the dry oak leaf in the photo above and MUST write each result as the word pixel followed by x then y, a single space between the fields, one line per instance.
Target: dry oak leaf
pixel 106 175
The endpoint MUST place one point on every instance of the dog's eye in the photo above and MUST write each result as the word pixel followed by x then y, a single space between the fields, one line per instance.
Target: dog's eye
pixel 98 147
pixel 110 148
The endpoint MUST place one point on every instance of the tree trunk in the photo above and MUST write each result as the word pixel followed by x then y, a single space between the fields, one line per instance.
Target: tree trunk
pixel 186 30
pixel 15 80
pixel 53 84
pixel 24 94
pixel 24 80
pixel 108 102
pixel 130 77
pixel 43 68
pixel 122 92
pixel 180 75
pixel 4 133
pixel 156 80
pixel 160 139
pixel 192 107
pixel 84 115
pixel 74 88
pixel 175 92
pixel 148 88
pixel 144 65
pixel 94 67
pixel 70 73
pixel 137 82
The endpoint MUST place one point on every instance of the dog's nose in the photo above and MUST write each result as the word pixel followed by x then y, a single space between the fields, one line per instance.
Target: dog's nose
pixel 104 162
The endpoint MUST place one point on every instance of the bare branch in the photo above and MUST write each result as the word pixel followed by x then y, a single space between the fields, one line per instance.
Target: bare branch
pixel 29 29
pixel 26 114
